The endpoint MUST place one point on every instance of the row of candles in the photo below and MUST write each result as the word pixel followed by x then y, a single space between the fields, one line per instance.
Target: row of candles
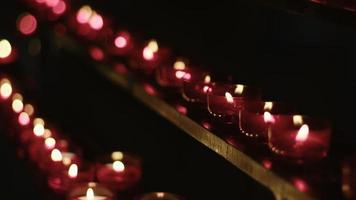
pixel 65 170
pixel 276 125
pixel 287 134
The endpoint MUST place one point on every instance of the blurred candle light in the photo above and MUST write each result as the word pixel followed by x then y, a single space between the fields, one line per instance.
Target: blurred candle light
pixel 26 24
pixel 56 155
pixel 5 48
pixel 84 14
pixel 50 143
pixel 60 8
pixel 5 86
pixel 38 127
pixel 23 119
pixel 96 21
pixel 17 104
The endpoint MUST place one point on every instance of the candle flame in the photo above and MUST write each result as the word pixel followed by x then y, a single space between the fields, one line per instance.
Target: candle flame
pixel 73 171
pixel 117 155
pixel 147 53
pixel 160 194
pixel 118 166
pixel 17 104
pixel 179 65
pixel 268 105
pixel 56 155
pixel 39 130
pixel 297 120
pixel 180 74
pixel 24 119
pixel 47 133
pixel 268 117
pixel 239 89
pixel 303 133
pixel 29 109
pixel 50 143
pixel 67 158
pixel 90 194
pixel 84 14
pixel 206 89
pixel 207 79
pixel 228 97
pixel 5 48
pixel 5 88
pixel 153 46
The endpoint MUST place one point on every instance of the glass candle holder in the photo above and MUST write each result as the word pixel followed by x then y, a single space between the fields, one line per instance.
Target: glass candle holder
pixel 159 196
pixel 90 191
pixel 58 161
pixel 147 58
pixel 61 181
pixel 225 100
pixel 196 91
pixel 255 117
pixel 174 74
pixel 119 170
pixel 300 138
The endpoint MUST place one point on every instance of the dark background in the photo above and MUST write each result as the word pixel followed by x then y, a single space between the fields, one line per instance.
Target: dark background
pixel 300 58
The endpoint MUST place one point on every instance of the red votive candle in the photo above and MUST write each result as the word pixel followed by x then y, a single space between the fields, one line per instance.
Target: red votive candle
pixel 300 138
pixel 90 191
pixel 197 90
pixel 159 196
pixel 147 58
pixel 173 74
pixel 58 161
pixel 255 117
pixel 61 182
pixel 225 100
pixel 119 171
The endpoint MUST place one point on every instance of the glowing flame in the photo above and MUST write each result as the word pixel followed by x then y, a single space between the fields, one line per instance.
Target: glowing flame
pixel 24 119
pixel 303 133
pixel 27 24
pixel 90 194
pixel 239 89
pixel 268 105
pixel 206 89
pixel 67 158
pixel 187 76
pixel 180 74
pixel 207 79
pixel 297 120
pixel 47 133
pixel 229 97
pixel 148 54
pixel 38 128
pixel 5 48
pixel 118 166
pixel 117 155
pixel 56 155
pixel 179 65
pixel 120 41
pixel 50 143
pixel 52 3
pixel 160 194
pixel 17 104
pixel 153 46
pixel 84 14
pixel 60 8
pixel 29 109
pixel 96 21
pixel 5 86
pixel 268 117
pixel 73 171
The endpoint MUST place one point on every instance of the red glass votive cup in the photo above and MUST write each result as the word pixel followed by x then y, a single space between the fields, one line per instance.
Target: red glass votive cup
pixel 255 117
pixel 119 170
pixel 195 91
pixel 61 181
pixel 159 196
pixel 299 138
pixel 90 191
pixel 225 100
